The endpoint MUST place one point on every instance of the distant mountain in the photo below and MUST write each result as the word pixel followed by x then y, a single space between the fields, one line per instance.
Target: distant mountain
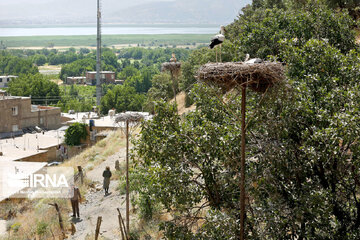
pixel 115 11
pixel 181 11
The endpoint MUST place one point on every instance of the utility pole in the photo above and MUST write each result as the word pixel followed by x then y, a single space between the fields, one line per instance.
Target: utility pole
pixel 127 179
pixel 98 55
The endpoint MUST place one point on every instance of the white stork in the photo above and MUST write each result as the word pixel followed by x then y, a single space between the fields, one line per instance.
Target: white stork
pixel 218 40
pixel 173 58
pixel 252 60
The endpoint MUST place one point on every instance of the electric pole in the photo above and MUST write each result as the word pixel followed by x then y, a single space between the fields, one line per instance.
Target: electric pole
pixel 98 56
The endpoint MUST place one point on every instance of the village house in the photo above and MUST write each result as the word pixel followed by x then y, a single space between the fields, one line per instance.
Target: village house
pixel 105 77
pixel 75 80
pixel 17 113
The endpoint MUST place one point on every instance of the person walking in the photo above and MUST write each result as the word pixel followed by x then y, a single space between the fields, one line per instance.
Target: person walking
pixel 76 197
pixel 107 175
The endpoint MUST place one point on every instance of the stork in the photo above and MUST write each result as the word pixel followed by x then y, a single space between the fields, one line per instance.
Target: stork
pixel 252 60
pixel 218 40
pixel 173 58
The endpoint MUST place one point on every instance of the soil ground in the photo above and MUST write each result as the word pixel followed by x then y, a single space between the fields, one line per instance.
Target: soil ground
pixel 96 204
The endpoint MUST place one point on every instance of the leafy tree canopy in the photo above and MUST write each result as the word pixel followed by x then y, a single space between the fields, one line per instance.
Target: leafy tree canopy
pixel 258 32
pixel 41 89
pixel 12 65
pixel 122 98
pixel 75 133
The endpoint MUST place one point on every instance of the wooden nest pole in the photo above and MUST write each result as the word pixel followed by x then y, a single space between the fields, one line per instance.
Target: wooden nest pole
pixel 134 119
pixel 256 76
pixel 175 69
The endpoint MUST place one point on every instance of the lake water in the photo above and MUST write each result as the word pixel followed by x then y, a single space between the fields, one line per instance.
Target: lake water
pixel 106 30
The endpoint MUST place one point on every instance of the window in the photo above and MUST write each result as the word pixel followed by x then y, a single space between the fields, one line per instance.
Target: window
pixel 15 128
pixel 41 120
pixel 112 76
pixel 0 79
pixel 103 76
pixel 14 111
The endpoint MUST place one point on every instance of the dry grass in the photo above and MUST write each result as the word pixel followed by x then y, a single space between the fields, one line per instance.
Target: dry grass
pixel 180 101
pixel 93 156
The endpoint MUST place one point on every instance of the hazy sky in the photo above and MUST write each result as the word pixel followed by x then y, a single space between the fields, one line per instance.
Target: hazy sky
pixel 122 11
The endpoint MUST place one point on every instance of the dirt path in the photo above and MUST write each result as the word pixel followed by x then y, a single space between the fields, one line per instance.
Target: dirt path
pixel 97 204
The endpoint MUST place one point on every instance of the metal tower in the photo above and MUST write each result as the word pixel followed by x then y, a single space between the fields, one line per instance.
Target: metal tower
pixel 98 56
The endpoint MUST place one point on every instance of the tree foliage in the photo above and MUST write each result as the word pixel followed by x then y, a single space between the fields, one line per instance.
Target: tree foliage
pixel 41 89
pixel 13 65
pixel 122 98
pixel 75 133
pixel 303 158
pixel 258 32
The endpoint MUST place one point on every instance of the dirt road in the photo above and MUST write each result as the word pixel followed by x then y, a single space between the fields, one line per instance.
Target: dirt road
pixel 97 204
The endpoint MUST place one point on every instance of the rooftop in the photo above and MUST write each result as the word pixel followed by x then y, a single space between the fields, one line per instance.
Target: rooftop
pixel 10 76
pixel 6 189
pixel 76 77
pixel 12 97
pixel 29 144
pixel 106 121
pixel 102 72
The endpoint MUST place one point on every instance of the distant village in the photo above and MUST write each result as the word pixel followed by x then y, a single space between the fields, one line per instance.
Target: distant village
pixel 35 133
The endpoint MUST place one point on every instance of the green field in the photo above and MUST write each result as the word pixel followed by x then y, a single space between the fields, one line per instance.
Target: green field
pixel 107 40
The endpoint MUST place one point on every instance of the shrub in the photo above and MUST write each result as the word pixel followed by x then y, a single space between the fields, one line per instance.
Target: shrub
pixel 75 133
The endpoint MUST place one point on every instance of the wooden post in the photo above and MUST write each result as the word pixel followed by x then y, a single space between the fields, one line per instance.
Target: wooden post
pixel 242 165
pixel 60 219
pixel 174 89
pixel 73 229
pixel 220 53
pixel 127 179
pixel 122 226
pixel 98 224
pixel 81 174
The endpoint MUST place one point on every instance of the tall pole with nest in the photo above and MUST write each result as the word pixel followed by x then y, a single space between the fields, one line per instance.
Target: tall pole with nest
pixel 174 68
pixel 131 120
pixel 257 76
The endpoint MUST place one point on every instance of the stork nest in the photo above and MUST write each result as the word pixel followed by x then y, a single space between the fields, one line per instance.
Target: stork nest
pixel 130 117
pixel 173 67
pixel 258 76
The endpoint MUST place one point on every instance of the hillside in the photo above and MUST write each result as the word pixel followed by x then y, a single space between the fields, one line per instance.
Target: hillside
pixel 138 11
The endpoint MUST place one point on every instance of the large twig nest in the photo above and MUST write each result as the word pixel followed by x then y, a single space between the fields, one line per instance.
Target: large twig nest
pixel 258 76
pixel 173 67
pixel 130 117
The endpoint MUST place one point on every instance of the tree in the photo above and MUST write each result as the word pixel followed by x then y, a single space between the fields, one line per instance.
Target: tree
pixel 75 133
pixel 302 146
pixel 39 59
pixel 37 86
pixel 161 90
pixel 12 65
pixel 77 68
pixel 259 32
pixel 122 98
pixel 110 59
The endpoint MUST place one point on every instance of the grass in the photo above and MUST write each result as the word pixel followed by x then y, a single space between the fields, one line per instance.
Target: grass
pixel 96 154
pixel 108 40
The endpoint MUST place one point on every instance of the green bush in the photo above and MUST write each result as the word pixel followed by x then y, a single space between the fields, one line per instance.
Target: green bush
pixel 41 228
pixel 75 133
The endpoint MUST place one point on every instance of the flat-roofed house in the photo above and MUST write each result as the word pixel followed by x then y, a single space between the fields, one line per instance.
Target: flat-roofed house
pixel 75 80
pixel 105 77
pixel 18 113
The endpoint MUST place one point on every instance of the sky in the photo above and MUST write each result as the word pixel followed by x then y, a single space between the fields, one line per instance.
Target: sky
pixel 119 11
